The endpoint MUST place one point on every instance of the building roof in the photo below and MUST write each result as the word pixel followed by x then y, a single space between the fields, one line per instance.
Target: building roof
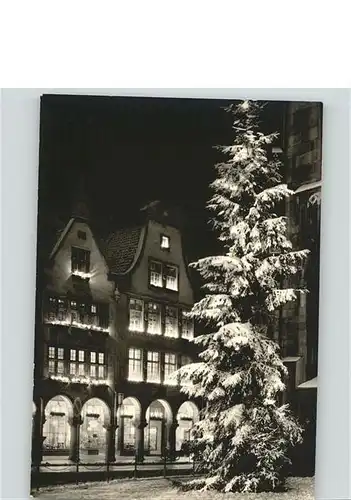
pixel 122 248
pixel 62 236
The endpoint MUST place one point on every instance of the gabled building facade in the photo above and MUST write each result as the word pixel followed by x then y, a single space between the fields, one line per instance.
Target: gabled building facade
pixel 111 329
pixel 151 274
pixel 75 358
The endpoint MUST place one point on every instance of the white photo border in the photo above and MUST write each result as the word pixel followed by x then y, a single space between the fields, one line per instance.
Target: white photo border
pixel 20 141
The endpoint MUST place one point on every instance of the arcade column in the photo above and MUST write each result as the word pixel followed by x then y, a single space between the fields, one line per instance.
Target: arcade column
pixel 139 439
pixel 111 442
pixel 75 422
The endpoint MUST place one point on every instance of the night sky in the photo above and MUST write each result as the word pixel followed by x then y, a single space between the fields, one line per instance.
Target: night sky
pixel 120 153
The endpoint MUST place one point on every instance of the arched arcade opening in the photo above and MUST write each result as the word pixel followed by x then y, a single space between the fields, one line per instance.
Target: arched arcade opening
pixel 95 416
pixel 159 420
pixel 56 429
pixel 187 416
pixel 128 417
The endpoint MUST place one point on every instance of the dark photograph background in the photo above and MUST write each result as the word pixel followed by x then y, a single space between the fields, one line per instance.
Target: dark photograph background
pixel 117 154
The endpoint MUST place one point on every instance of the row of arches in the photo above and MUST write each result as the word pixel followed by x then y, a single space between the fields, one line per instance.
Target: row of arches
pixel 162 429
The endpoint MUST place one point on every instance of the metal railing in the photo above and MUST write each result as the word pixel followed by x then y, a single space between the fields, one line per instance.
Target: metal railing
pixel 51 473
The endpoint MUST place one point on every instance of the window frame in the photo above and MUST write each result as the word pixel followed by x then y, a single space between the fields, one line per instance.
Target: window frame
pixel 171 266
pixel 82 235
pixel 141 329
pixel 167 363
pixel 60 367
pixel 81 366
pixel 175 318
pixel 78 264
pixel 150 271
pixel 149 313
pixel 151 362
pixel 166 238
pixel 135 360
pixel 164 266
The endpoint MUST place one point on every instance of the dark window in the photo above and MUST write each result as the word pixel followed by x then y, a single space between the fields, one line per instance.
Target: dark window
pixel 52 309
pixel 163 275
pixel 62 310
pixel 103 314
pixel 80 260
pixel 74 312
pixel 82 235
pixel 136 315
pixel 153 367
pixel 155 274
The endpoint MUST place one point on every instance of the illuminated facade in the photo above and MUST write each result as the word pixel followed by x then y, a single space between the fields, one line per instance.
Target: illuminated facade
pixel 155 294
pixel 112 328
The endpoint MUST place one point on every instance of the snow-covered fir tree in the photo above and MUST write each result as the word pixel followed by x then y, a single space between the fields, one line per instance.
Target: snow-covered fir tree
pixel 244 436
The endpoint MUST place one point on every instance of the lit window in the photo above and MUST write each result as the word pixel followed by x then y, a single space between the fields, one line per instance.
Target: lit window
pixel 51 366
pixel 155 270
pixel 81 355
pixel 61 310
pixel 72 368
pixel 51 352
pixel 153 367
pixel 165 242
pixel 171 273
pixel 93 371
pixel 171 322
pixel 135 368
pixel 93 309
pixel 60 367
pixel 93 357
pixel 101 371
pixel 60 352
pixel 170 368
pixel 101 358
pixel 81 369
pixel 73 355
pixel 154 319
pixel 136 315
pixel 80 260
pixel 187 326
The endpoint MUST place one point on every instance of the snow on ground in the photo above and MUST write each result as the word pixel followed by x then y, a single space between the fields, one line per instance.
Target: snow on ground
pixel 162 489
